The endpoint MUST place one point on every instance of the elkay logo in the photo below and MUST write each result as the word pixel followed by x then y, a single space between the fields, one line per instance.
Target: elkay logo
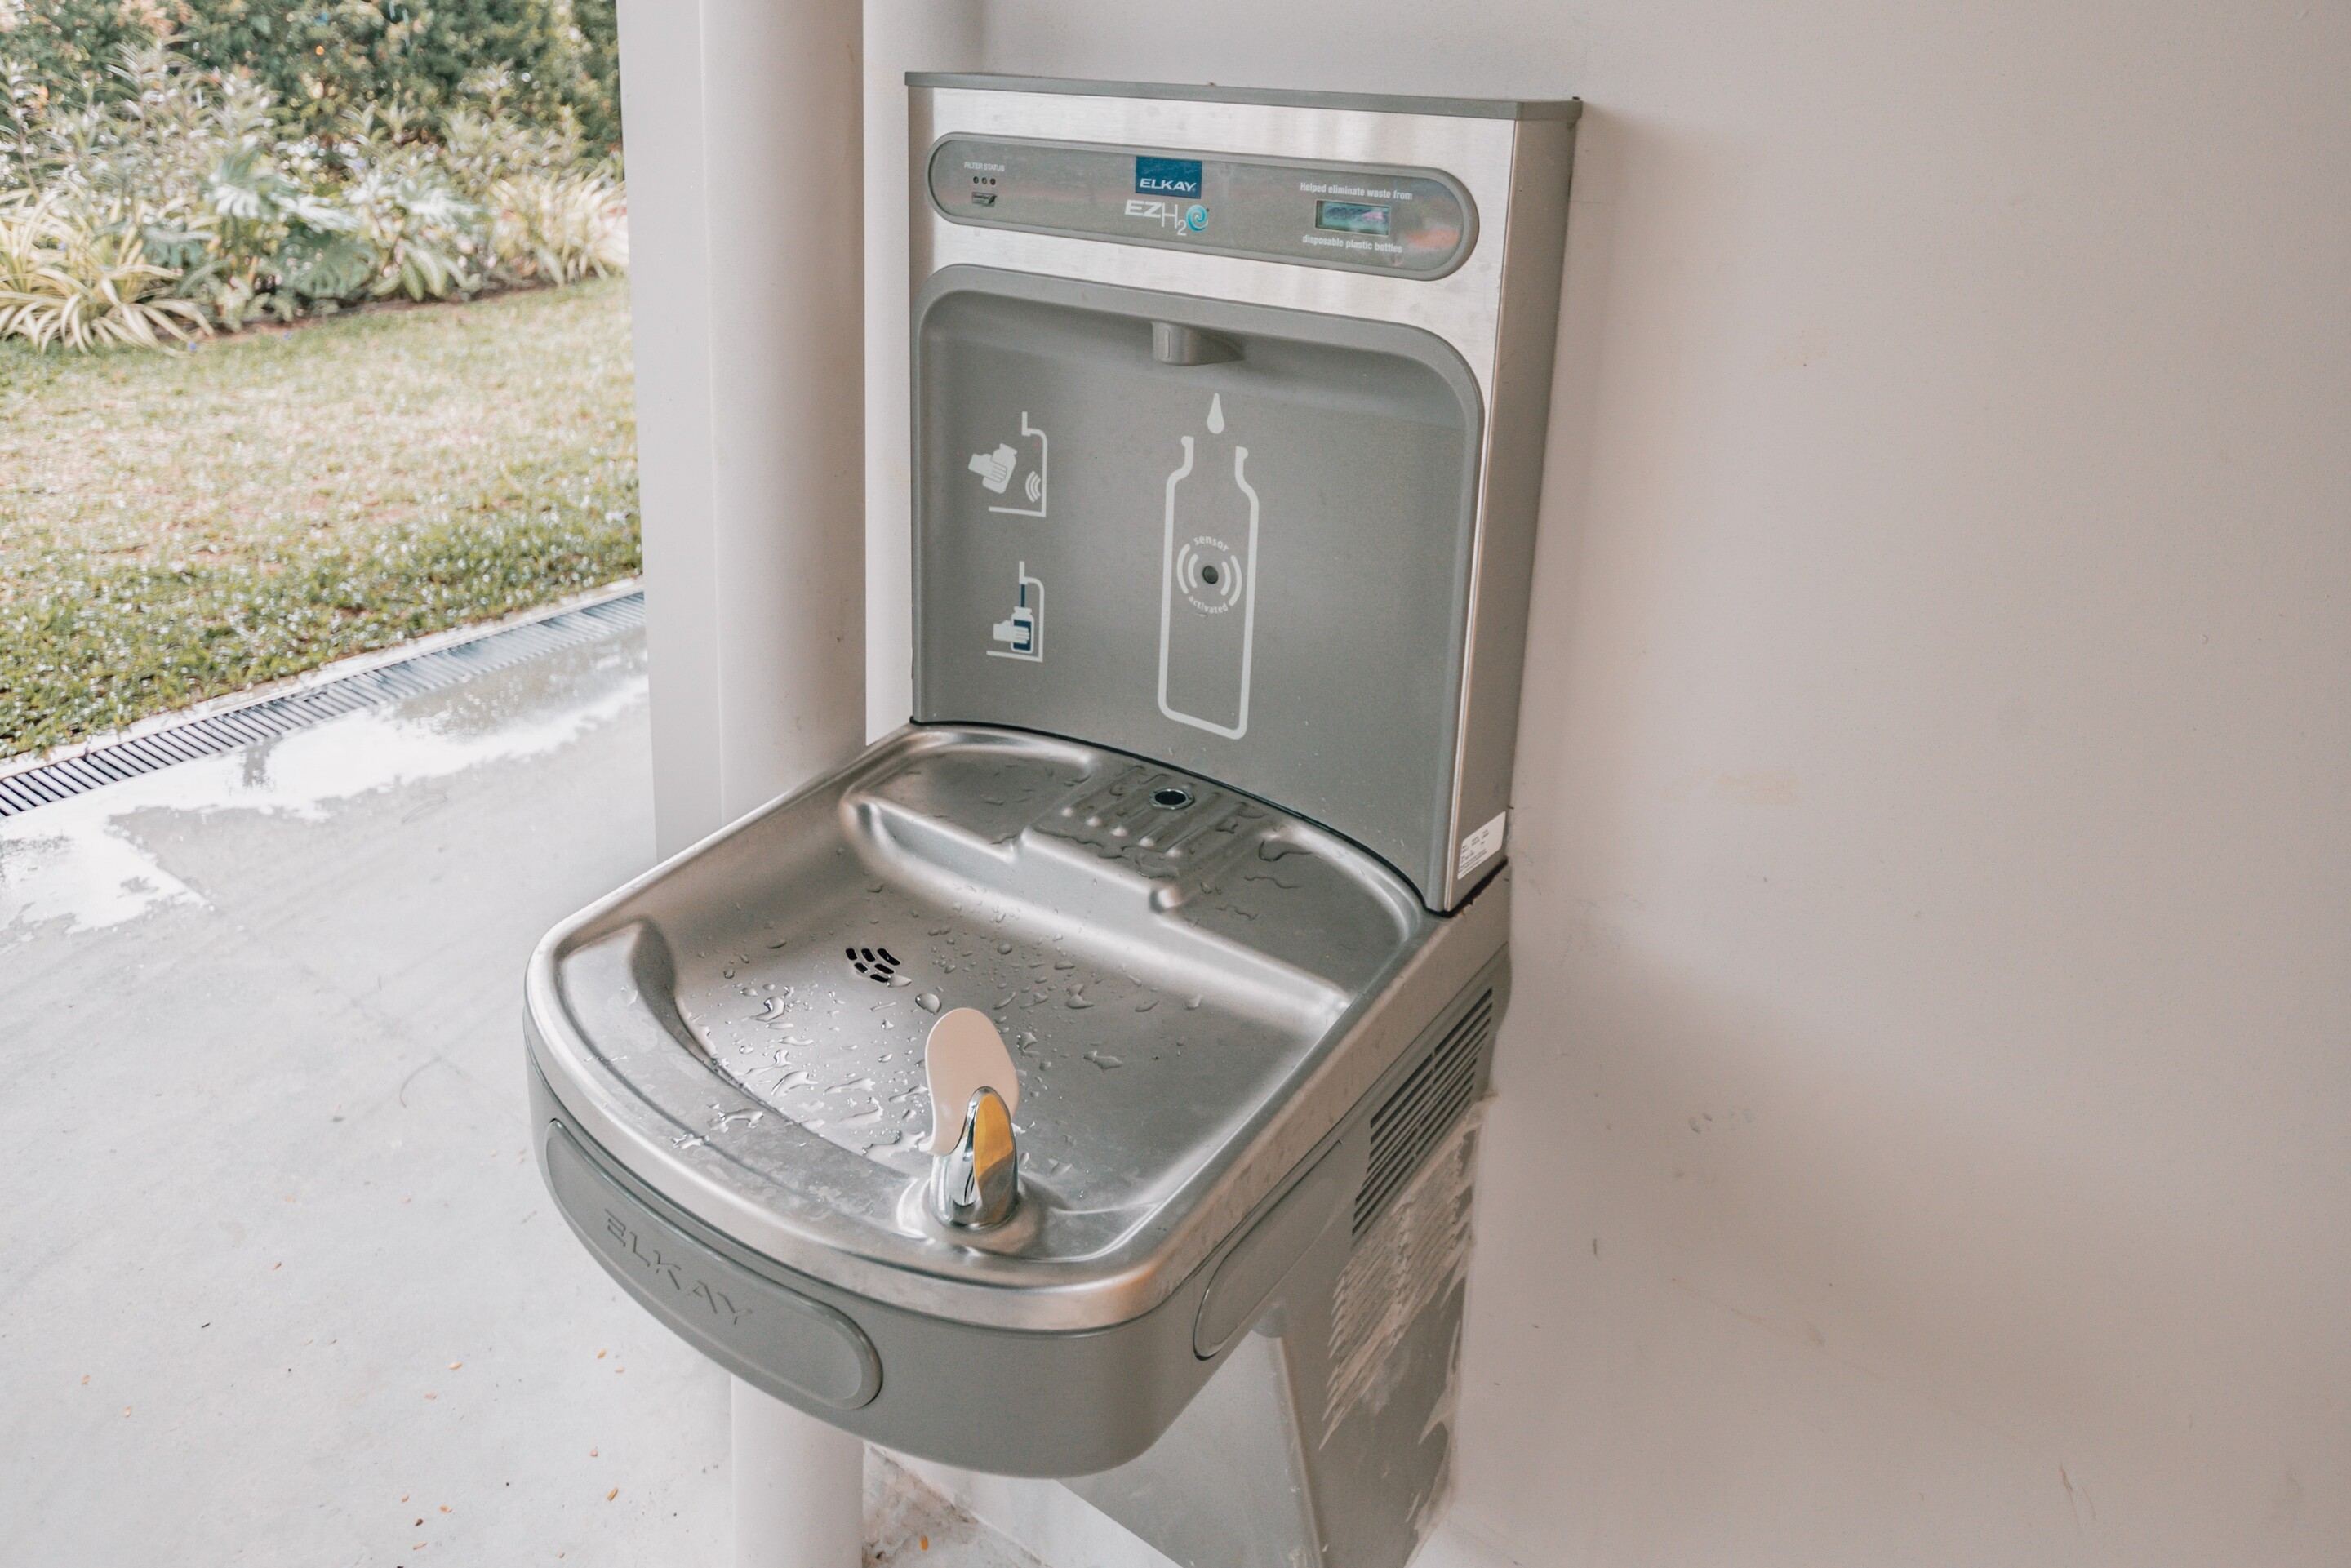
pixel 1167 176
pixel 667 1269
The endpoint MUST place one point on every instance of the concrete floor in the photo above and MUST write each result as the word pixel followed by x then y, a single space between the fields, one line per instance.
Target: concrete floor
pixel 281 1285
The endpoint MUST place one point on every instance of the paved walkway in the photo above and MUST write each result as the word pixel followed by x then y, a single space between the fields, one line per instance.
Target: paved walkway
pixel 280 1284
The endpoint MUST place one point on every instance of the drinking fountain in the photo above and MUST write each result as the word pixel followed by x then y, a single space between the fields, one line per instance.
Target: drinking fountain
pixel 1083 1082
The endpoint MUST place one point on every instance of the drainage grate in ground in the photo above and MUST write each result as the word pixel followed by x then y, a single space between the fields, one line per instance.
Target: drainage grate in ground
pixel 214 733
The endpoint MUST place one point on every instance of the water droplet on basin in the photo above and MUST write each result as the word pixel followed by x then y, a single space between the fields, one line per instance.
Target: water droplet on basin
pixel 1004 946
pixel 1102 1062
pixel 1190 1003
pixel 928 1001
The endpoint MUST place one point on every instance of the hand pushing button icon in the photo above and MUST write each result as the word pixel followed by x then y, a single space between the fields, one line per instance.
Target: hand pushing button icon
pixel 995 468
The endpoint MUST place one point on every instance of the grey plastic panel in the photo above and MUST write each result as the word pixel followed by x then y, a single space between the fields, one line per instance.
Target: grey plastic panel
pixel 807 1346
pixel 1259 1260
pixel 1257 570
pixel 1004 1401
pixel 1413 222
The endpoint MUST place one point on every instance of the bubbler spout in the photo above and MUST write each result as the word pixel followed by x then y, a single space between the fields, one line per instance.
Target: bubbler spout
pixel 974 1184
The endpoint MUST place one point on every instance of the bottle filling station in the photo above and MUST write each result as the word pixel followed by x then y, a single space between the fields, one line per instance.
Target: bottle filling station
pixel 1083 1082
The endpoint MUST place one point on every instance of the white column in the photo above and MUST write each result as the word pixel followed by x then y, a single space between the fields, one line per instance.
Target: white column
pixel 669 313
pixel 783 143
pixel 799 1488
pixel 747 194
pixel 900 36
pixel 746 186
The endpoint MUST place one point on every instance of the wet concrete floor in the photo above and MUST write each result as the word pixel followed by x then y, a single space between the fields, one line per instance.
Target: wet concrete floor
pixel 279 1283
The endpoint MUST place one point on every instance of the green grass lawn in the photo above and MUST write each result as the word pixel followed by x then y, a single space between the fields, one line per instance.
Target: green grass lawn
pixel 176 526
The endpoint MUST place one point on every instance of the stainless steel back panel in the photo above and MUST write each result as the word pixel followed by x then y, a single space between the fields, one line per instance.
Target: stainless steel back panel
pixel 1496 311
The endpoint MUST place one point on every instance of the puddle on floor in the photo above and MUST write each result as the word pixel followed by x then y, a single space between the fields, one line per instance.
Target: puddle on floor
pixel 78 862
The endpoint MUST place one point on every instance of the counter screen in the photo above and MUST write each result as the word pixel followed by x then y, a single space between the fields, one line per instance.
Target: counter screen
pixel 1351 218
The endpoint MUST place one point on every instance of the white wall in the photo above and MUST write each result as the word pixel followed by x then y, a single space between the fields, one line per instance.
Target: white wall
pixel 1925 1131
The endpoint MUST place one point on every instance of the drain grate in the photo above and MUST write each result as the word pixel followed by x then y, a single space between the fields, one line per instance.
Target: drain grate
pixel 876 962
pixel 112 761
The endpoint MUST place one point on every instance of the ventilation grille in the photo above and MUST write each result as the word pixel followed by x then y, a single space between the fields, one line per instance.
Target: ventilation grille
pixel 1422 1107
pixel 208 736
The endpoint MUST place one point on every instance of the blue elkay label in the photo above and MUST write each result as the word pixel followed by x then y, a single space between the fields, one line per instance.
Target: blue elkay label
pixel 1167 176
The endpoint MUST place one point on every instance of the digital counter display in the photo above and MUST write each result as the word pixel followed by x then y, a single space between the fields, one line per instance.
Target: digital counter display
pixel 1351 218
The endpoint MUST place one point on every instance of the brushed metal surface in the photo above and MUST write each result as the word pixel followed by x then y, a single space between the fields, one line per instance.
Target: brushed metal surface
pixel 1567 108
pixel 1493 655
pixel 1195 1009
pixel 1461 308
pixel 1498 309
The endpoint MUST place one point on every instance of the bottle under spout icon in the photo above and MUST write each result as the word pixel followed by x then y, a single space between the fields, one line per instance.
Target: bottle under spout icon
pixel 1022 632
pixel 1207 596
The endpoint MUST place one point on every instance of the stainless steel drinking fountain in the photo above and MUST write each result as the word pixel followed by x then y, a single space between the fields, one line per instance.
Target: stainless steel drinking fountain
pixel 1227 430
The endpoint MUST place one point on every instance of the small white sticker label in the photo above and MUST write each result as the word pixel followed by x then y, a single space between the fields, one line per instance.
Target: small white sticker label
pixel 1483 845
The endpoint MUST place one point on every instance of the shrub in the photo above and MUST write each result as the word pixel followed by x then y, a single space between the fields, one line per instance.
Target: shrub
pixel 321 63
pixel 81 285
pixel 179 202
pixel 560 228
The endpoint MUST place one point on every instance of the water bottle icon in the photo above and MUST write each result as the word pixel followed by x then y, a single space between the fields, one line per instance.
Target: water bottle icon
pixel 1208 595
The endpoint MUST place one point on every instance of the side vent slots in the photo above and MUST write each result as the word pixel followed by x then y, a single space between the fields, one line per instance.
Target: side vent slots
pixel 1422 1107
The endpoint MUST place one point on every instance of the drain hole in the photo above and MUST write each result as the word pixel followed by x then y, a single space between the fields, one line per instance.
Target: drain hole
pixel 875 963
pixel 1171 796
